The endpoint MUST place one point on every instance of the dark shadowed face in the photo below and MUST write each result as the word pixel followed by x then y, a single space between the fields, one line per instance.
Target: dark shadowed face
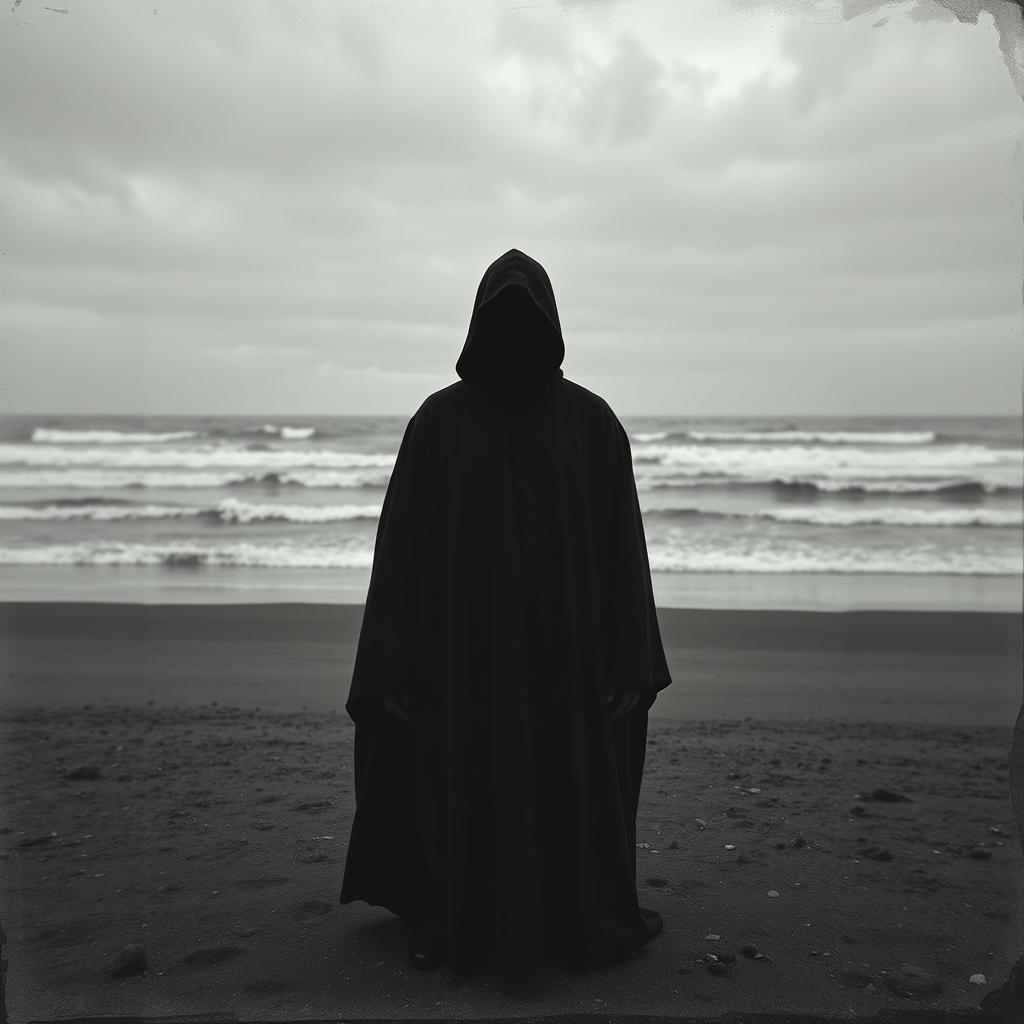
pixel 517 336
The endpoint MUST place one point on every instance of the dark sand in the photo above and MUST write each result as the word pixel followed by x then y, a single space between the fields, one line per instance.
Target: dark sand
pixel 218 820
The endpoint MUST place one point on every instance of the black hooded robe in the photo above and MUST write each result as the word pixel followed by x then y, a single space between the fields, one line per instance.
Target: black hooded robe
pixel 510 591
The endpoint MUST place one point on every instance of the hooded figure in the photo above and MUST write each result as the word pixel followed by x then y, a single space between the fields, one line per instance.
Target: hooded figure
pixel 510 612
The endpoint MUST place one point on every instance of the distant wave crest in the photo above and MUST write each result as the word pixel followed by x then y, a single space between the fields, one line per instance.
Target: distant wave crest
pixel 230 510
pixel 289 433
pixel 112 479
pixel 828 469
pixel 197 457
pixel 47 435
pixel 873 437
pixel 884 516
pixel 780 459
pixel 57 435
pixel 951 490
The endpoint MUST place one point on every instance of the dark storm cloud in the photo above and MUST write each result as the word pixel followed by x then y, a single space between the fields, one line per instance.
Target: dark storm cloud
pixel 268 206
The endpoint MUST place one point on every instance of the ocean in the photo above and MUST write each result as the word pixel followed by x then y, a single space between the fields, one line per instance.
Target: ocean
pixel 811 512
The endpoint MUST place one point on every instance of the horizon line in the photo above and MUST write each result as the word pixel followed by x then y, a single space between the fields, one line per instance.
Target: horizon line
pixel 619 412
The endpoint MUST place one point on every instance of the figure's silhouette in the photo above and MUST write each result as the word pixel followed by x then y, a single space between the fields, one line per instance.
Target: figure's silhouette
pixel 508 658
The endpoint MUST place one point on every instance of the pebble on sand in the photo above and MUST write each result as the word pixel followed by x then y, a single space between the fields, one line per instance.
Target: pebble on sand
pixel 773 894
pixel 719 965
pixel 977 979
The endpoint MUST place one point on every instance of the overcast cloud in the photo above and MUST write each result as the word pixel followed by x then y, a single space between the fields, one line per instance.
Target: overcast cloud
pixel 287 207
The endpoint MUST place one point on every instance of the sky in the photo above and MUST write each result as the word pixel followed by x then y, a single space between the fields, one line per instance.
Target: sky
pixel 286 207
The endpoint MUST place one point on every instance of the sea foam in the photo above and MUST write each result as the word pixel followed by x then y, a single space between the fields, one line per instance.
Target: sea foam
pixel 113 479
pixel 841 517
pixel 681 555
pixel 896 437
pixel 194 457
pixel 230 510
pixel 47 435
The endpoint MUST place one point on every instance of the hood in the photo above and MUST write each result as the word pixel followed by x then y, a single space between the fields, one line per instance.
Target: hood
pixel 514 347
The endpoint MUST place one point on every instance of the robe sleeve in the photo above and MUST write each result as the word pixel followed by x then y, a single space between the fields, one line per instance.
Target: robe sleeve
pixel 386 654
pixel 633 649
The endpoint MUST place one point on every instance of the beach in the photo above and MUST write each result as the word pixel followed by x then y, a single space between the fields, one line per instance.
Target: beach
pixel 180 777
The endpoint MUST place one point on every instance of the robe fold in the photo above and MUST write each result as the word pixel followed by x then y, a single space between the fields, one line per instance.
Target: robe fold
pixel 510 591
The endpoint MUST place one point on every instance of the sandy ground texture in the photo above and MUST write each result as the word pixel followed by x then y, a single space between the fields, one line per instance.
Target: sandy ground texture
pixel 212 833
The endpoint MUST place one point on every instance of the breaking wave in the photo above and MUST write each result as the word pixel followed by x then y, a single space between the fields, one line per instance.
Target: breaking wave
pixel 230 510
pixel 830 516
pixel 108 479
pixel 47 435
pixel 289 433
pixel 691 556
pixel 758 437
pixel 944 460
pixel 873 437
pixel 54 435
pixel 199 457
pixel 952 490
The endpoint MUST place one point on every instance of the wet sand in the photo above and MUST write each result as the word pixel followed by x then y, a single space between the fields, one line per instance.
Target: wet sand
pixel 212 830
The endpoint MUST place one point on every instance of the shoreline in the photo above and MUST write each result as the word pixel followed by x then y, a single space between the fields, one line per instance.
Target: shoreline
pixel 834 592
pixel 774 665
